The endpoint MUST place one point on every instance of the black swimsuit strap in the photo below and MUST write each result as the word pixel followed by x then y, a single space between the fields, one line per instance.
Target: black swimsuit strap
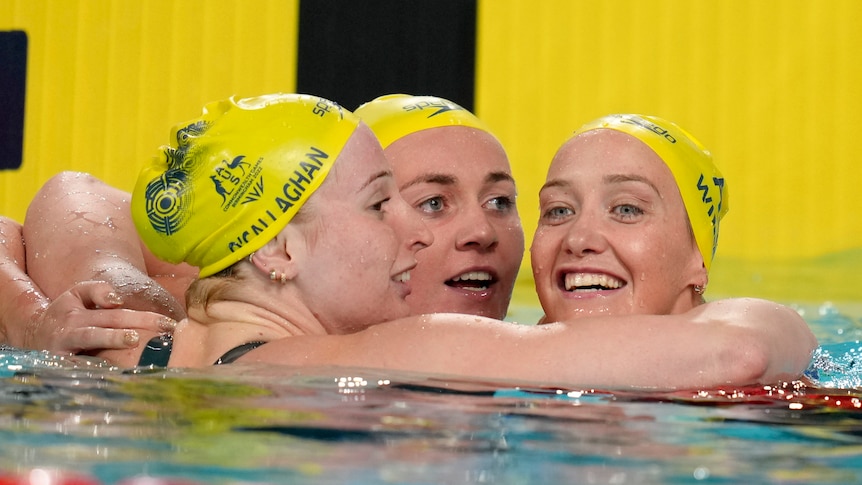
pixel 157 352
pixel 237 352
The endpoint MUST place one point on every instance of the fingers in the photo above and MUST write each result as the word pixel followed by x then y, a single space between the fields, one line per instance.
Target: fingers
pixel 88 317
pixel 114 329
pixel 122 319
pixel 88 338
pixel 95 294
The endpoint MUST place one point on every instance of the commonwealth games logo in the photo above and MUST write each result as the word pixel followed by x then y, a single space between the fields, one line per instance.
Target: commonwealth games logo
pixel 168 200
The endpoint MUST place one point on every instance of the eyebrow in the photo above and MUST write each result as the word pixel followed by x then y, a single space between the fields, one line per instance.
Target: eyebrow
pixel 607 179
pixel 555 183
pixel 371 179
pixel 499 177
pixel 444 179
pixel 623 178
pixel 430 178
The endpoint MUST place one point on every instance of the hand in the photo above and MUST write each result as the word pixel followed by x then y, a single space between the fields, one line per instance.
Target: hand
pixel 89 317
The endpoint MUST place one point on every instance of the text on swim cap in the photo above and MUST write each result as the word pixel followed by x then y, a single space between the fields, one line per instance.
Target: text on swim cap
pixel 323 107
pixel 299 181
pixel 291 194
pixel 713 210
pixel 441 107
pixel 234 179
pixel 658 130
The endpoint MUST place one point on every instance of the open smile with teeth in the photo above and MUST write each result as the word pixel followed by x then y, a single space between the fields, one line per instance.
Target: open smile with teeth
pixel 402 277
pixel 591 282
pixel 473 281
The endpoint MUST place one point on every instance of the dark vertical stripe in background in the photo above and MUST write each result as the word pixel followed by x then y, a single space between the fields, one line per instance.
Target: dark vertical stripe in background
pixel 353 51
pixel 13 82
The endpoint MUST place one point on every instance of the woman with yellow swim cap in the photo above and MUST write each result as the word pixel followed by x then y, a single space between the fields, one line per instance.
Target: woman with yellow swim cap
pixel 629 220
pixel 455 173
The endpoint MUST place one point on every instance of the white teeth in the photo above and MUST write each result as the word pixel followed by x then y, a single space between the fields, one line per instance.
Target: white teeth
pixel 473 276
pixel 591 282
pixel 403 277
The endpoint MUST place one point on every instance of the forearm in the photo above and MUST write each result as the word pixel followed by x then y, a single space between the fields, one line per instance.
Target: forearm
pixel 703 350
pixel 21 300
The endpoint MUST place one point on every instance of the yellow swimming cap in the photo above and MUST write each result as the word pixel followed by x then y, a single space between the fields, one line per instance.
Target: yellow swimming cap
pixel 397 115
pixel 236 177
pixel 703 189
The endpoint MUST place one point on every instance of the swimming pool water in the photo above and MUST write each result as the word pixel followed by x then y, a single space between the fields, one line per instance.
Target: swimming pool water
pixel 82 421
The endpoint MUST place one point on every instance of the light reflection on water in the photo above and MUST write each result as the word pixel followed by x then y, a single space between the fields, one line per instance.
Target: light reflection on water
pixel 254 424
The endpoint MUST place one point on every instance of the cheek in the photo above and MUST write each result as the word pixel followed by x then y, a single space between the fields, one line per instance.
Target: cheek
pixel 513 235
pixel 544 242
pixel 435 254
pixel 542 254
pixel 658 254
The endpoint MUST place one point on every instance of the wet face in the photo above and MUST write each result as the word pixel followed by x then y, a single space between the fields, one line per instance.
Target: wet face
pixel 459 180
pixel 361 241
pixel 613 235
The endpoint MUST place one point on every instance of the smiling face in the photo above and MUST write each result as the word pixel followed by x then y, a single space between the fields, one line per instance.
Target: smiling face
pixel 361 239
pixel 613 235
pixel 458 178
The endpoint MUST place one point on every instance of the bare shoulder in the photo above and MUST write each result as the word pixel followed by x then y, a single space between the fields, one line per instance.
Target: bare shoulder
pixel 742 310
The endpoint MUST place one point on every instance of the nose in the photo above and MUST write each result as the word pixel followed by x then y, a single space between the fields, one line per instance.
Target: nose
pixel 585 236
pixel 476 231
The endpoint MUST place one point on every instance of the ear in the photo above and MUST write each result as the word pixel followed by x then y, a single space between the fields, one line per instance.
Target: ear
pixel 697 276
pixel 281 254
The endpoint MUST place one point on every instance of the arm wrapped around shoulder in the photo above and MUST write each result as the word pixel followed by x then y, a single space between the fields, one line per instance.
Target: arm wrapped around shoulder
pixel 766 342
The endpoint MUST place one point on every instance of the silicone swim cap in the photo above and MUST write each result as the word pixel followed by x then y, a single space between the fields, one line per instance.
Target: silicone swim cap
pixel 703 189
pixel 236 177
pixel 397 115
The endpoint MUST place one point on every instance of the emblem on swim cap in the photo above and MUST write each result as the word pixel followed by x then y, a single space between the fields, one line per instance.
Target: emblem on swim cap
pixel 703 188
pixel 233 178
pixel 397 115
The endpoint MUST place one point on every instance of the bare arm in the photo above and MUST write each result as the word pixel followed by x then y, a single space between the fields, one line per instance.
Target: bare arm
pixel 20 298
pixel 80 229
pixel 730 343
pixel 81 320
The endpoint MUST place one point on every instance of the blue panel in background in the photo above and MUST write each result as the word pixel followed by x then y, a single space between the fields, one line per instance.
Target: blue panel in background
pixel 13 83
pixel 352 52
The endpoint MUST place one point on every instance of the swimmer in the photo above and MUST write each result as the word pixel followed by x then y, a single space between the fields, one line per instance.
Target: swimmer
pixel 269 271
pixel 454 172
pixel 629 220
pixel 629 224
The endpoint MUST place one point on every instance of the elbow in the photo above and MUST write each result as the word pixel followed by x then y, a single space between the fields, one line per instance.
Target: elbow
pixel 776 348
pixel 756 362
pixel 748 364
pixel 55 189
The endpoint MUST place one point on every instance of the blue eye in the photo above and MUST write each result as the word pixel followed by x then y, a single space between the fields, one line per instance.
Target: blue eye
pixel 557 213
pixel 502 203
pixel 431 205
pixel 628 211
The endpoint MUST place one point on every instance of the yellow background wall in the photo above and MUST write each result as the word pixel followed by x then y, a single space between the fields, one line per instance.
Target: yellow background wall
pixel 108 78
pixel 772 87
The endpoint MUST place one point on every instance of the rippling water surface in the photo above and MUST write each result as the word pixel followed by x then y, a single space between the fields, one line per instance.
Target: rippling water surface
pixel 79 421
